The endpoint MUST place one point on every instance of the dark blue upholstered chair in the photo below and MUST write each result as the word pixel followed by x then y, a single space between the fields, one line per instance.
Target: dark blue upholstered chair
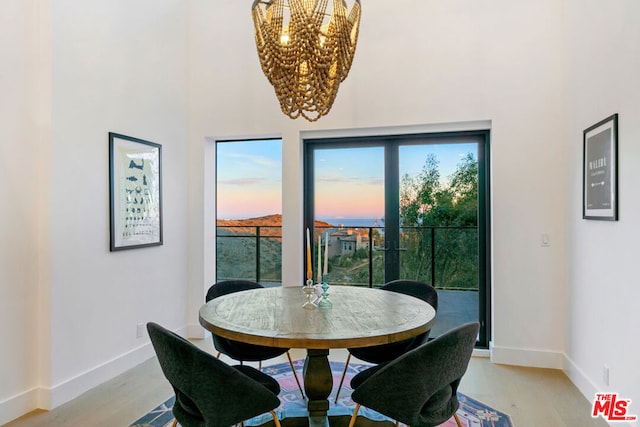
pixel 210 393
pixel 237 350
pixel 387 352
pixel 420 387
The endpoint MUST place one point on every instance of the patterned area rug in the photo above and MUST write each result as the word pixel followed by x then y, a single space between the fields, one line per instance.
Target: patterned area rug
pixel 293 408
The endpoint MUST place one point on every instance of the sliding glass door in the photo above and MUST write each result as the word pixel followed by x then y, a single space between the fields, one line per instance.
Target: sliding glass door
pixel 405 207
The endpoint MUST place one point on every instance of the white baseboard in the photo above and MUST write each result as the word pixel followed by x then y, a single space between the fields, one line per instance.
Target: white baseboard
pixel 70 389
pixel 552 360
pixel 481 352
pixel 195 331
pixel 580 379
pixel 526 357
pixel 51 397
pixel 587 387
pixel 18 405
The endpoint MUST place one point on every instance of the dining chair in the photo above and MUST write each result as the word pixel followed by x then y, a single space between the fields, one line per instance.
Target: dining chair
pixel 210 393
pixel 238 350
pixel 420 387
pixel 387 352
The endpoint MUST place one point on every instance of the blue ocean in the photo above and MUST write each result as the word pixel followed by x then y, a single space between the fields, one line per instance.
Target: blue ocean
pixel 355 222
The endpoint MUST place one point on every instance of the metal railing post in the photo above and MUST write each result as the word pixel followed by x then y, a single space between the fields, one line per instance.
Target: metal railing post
pixel 433 257
pixel 370 257
pixel 258 254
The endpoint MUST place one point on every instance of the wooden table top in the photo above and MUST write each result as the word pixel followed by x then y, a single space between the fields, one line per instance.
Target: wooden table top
pixel 360 317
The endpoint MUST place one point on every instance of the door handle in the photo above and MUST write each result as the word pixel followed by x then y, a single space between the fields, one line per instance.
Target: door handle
pixel 401 249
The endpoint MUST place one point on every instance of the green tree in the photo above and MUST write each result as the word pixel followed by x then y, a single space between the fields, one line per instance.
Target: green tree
pixel 418 195
pixel 464 184
pixel 429 206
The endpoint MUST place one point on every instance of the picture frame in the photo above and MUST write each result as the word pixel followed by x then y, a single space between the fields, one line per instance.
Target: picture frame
pixel 600 170
pixel 135 192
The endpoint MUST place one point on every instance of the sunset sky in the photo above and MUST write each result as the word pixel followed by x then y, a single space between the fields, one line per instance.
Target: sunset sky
pixel 249 179
pixel 349 182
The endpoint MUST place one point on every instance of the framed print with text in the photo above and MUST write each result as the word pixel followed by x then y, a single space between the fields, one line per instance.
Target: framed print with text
pixel 135 187
pixel 600 170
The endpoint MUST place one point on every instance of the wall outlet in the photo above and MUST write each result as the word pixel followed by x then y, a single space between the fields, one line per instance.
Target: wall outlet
pixel 544 240
pixel 139 330
pixel 605 375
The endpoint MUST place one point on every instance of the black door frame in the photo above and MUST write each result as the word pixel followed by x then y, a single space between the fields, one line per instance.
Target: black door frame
pixel 391 144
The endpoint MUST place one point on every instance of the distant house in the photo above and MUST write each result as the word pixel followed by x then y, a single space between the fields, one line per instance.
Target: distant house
pixel 347 241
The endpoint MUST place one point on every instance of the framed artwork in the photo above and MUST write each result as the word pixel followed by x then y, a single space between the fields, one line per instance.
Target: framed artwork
pixel 600 170
pixel 135 187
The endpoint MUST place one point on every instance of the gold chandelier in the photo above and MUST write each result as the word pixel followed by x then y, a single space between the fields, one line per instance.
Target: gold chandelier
pixel 305 51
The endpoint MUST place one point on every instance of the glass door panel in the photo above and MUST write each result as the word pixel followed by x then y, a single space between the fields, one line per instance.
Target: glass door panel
pixel 438 205
pixel 348 205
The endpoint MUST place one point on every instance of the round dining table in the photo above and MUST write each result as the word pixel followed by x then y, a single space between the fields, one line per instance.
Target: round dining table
pixel 359 317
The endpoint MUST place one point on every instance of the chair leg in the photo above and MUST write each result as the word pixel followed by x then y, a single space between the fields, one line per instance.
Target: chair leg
pixel 354 416
pixel 457 420
pixel 175 422
pixel 275 418
pixel 218 356
pixel 344 372
pixel 259 365
pixel 295 375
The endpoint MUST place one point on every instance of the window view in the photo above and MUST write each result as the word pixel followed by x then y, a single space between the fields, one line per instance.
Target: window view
pixel 349 210
pixel 404 208
pixel 249 210
pixel 439 214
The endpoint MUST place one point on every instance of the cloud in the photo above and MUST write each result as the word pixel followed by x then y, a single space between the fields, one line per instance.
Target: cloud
pixel 352 180
pixel 242 181
pixel 256 160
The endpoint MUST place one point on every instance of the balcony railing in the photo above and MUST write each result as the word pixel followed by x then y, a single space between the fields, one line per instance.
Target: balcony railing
pixel 446 257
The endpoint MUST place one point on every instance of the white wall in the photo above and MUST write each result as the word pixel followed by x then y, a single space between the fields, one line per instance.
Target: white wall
pixel 603 320
pixel 22 101
pixel 421 63
pixel 116 66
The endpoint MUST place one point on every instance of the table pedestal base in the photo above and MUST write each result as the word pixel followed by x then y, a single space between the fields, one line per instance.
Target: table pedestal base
pixel 318 382
pixel 339 421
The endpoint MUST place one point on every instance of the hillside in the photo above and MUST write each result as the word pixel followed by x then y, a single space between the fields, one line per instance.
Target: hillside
pixel 270 225
pixel 236 252
pixel 236 248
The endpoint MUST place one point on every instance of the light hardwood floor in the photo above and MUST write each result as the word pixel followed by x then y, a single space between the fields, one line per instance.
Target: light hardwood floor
pixel 532 397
